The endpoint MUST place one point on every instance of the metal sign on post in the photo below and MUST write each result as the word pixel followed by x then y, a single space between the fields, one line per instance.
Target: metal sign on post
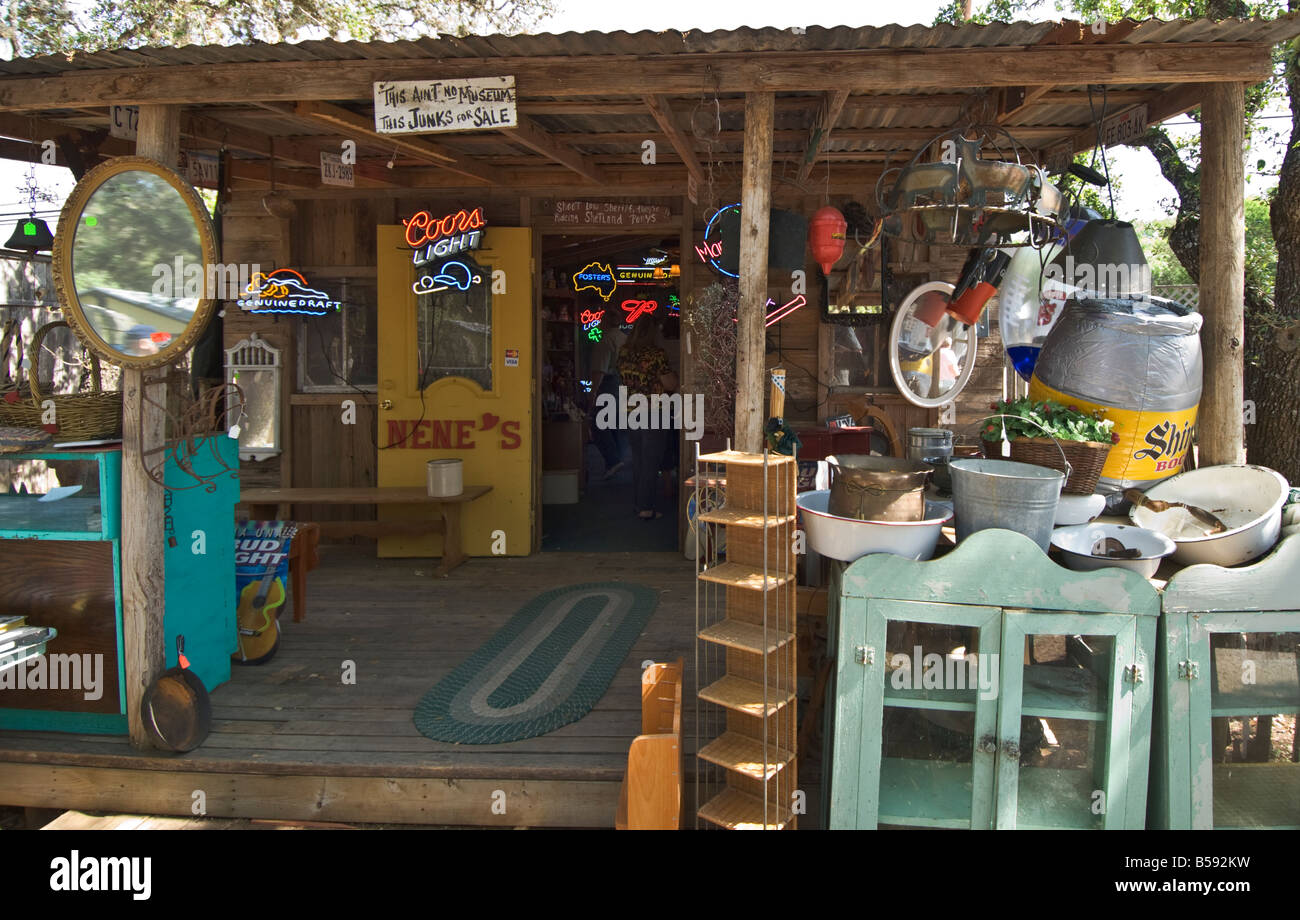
pixel 202 169
pixel 431 106
pixel 333 171
pixel 122 121
pixel 1123 127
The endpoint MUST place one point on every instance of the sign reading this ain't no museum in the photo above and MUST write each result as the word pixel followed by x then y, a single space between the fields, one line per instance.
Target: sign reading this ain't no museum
pixel 429 106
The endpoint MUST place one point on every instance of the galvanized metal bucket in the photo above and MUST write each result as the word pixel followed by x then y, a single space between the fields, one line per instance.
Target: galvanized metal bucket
pixel 928 442
pixel 1005 494
pixel 445 478
pixel 869 488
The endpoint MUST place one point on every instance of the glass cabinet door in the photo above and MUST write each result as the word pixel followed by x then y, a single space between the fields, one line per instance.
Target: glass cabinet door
pixel 1250 727
pixel 916 715
pixel 1069 702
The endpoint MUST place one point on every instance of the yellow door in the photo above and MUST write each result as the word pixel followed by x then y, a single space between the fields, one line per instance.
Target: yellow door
pixel 455 380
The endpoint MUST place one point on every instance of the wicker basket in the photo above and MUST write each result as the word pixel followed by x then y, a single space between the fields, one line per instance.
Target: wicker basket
pixel 78 416
pixel 1086 460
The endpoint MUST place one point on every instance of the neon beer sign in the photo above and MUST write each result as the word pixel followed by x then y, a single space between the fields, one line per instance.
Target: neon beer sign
pixel 434 239
pixel 590 320
pixel 637 308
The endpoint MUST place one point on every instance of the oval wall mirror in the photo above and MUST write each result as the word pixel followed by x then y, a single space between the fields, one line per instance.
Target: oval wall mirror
pixel 131 262
pixel 931 364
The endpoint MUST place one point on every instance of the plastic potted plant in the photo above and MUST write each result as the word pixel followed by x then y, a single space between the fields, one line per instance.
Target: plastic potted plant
pixel 1041 432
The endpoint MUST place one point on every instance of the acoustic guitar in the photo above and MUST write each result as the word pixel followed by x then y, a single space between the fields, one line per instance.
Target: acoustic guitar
pixel 258 624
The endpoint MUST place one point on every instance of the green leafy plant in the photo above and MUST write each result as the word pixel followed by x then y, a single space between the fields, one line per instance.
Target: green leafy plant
pixel 1029 418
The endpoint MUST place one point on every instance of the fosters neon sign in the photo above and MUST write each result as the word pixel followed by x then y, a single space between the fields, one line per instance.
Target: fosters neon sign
pixel 434 239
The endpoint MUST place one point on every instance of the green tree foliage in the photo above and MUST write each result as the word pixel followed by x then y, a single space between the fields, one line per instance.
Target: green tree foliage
pixel 32 27
pixel 1272 275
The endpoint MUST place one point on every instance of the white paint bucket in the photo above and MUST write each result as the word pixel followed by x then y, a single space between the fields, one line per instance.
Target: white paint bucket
pixel 445 478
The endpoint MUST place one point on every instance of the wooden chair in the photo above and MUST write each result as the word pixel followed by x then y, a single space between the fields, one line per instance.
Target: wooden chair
pixel 651 795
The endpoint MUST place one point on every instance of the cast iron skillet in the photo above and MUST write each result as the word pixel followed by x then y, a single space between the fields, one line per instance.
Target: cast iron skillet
pixel 176 710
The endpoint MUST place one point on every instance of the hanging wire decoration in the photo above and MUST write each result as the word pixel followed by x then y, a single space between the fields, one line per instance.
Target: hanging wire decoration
pixel 193 428
pixel 965 199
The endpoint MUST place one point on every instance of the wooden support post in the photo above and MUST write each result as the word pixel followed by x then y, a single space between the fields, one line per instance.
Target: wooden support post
pixel 1220 430
pixel 142 501
pixel 751 338
pixel 689 384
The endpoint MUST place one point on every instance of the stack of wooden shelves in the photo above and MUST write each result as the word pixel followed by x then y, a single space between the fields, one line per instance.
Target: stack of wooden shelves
pixel 745 651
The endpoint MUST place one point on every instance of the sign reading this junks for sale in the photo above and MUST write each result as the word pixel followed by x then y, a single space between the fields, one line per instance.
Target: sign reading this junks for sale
pixel 431 106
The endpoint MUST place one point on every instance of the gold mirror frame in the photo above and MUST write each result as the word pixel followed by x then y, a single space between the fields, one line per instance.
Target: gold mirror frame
pixel 61 261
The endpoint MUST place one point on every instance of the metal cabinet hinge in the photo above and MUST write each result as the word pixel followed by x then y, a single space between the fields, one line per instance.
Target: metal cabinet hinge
pixel 1134 674
pixel 866 655
pixel 1189 670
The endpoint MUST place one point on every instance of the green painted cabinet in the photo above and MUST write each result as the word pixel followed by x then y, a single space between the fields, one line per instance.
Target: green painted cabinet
pixel 990 688
pixel 60 566
pixel 1228 697
pixel 61 562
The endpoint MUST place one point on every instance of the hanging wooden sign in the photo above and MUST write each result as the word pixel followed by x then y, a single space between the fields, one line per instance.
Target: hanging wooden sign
pixel 431 106
pixel 610 213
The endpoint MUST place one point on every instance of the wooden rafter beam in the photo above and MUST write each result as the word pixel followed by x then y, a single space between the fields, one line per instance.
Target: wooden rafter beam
pixel 421 149
pixel 1016 99
pixel 297 151
pixel 681 74
pixel 661 108
pixel 535 138
pixel 827 116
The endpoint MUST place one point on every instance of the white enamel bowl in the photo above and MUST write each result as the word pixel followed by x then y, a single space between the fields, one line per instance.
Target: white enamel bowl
pixel 848 539
pixel 1076 543
pixel 1078 509
pixel 1248 499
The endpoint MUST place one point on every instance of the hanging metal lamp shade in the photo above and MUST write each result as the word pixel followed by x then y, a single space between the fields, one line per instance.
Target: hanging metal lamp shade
pixel 32 234
pixel 1105 258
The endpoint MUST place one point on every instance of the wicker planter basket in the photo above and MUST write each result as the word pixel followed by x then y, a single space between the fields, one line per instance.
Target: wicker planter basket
pixel 78 416
pixel 1086 460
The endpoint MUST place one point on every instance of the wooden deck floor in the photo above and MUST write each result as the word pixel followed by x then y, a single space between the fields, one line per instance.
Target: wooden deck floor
pixel 291 741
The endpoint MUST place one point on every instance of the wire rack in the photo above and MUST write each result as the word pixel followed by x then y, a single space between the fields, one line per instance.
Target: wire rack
pixel 745 649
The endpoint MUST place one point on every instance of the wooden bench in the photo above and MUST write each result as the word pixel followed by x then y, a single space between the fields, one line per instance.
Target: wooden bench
pixel 267 504
pixel 651 795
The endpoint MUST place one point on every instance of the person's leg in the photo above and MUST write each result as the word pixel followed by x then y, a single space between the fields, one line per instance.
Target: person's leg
pixel 645 467
pixel 606 439
pixel 650 455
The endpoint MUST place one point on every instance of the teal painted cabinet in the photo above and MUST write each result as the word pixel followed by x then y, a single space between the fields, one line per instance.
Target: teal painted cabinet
pixel 199 526
pixel 1228 668
pixel 990 688
pixel 60 566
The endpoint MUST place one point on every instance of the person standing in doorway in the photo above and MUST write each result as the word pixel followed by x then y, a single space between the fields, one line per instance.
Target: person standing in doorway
pixel 604 370
pixel 643 368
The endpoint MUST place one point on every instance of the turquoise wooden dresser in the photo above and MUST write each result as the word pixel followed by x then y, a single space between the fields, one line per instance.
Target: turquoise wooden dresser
pixel 990 688
pixel 60 565
pixel 1229 667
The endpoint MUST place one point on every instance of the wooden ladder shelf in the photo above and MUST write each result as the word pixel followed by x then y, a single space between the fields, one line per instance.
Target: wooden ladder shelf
pixel 746 648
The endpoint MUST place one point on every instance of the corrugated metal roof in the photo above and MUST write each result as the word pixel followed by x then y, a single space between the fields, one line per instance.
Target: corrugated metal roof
pixel 646 43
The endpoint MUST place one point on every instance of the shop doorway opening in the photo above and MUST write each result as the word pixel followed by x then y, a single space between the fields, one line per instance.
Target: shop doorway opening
pixel 608 333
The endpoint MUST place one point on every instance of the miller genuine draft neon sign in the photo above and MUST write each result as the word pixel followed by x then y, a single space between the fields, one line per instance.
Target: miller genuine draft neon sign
pixel 285 291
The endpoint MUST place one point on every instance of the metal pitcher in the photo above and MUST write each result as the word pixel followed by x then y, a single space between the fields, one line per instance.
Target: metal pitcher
pixel 869 488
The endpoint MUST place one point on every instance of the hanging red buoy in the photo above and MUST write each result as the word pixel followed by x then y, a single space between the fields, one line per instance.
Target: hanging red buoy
pixel 826 233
